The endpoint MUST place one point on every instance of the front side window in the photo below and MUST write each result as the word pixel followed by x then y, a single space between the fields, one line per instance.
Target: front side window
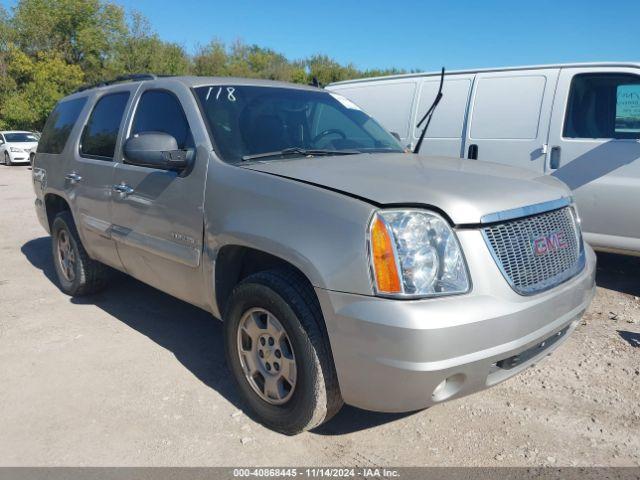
pixel 160 111
pixel 100 133
pixel 59 124
pixel 603 106
pixel 21 137
pixel 251 120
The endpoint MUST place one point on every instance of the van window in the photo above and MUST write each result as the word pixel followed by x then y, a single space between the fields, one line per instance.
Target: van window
pixel 100 133
pixel 59 124
pixel 605 105
pixel 448 119
pixel 160 111
pixel 507 107
pixel 389 103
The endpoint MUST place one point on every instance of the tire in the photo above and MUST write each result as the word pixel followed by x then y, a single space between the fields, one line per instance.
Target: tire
pixel 290 299
pixel 7 159
pixel 82 276
pixel 31 159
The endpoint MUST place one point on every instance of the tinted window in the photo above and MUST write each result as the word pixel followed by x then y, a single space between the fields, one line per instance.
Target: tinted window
pixel 100 133
pixel 20 137
pixel 160 111
pixel 59 124
pixel 603 106
pixel 246 120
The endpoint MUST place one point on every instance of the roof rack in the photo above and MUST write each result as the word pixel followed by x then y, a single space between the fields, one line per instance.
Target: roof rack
pixel 134 77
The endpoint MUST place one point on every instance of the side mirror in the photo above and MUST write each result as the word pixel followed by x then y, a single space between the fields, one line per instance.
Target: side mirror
pixel 396 135
pixel 155 150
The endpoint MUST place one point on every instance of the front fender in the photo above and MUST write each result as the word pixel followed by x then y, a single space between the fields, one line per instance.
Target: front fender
pixel 320 232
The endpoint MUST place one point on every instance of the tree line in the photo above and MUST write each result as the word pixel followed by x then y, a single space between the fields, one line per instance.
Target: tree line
pixel 48 48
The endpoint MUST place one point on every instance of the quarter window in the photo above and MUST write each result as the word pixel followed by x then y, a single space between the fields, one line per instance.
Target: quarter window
pixel 59 124
pixel 100 133
pixel 603 106
pixel 160 111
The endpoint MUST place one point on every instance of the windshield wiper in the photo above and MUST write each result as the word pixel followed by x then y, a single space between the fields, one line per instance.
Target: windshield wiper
pixel 427 116
pixel 299 151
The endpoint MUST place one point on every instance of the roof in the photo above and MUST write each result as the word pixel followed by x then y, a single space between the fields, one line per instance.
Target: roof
pixel 193 82
pixel 497 69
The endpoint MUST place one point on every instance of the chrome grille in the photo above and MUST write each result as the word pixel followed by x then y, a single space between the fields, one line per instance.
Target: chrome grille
pixel 538 252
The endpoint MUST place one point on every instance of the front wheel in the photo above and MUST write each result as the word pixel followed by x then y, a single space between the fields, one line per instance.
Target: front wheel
pixel 7 159
pixel 278 352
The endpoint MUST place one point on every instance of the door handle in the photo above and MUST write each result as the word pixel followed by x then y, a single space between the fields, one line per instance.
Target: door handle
pixel 73 178
pixel 554 159
pixel 123 189
pixel 473 152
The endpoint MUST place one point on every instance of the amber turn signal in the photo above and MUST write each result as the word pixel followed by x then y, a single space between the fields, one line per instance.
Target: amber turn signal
pixel 384 261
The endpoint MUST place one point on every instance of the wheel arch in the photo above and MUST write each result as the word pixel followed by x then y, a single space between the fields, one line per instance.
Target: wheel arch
pixel 54 204
pixel 234 263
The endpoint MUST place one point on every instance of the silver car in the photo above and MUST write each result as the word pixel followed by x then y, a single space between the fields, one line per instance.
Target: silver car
pixel 345 270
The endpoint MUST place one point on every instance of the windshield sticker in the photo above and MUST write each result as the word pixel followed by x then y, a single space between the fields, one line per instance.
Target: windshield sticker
pixel 345 101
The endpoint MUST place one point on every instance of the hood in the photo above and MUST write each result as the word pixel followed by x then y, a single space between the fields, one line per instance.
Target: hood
pixel 464 189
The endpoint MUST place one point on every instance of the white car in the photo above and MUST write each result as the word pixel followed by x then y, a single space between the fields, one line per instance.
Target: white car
pixel 17 147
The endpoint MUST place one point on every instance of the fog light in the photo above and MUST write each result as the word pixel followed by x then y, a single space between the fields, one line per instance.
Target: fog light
pixel 448 387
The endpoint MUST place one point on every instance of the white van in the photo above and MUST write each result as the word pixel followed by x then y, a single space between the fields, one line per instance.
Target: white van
pixel 577 122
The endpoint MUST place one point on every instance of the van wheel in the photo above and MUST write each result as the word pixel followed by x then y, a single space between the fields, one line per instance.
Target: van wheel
pixel 77 273
pixel 278 354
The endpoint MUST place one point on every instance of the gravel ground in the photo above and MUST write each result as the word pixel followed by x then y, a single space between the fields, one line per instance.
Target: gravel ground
pixel 134 377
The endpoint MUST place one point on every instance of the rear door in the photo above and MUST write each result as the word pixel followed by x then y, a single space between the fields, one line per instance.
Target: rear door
pixel 89 174
pixel 158 214
pixel 445 135
pixel 595 149
pixel 509 117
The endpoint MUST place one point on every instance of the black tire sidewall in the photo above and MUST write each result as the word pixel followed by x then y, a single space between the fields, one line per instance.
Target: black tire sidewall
pixel 296 413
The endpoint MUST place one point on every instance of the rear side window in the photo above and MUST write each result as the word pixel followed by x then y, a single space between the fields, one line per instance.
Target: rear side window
pixel 160 111
pixel 100 133
pixel 603 106
pixel 59 124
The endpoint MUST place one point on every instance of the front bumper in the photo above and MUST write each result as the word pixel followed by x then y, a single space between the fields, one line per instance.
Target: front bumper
pixel 19 157
pixel 395 355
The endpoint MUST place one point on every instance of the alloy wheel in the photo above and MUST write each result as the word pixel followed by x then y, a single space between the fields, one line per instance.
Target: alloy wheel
pixel 266 356
pixel 66 256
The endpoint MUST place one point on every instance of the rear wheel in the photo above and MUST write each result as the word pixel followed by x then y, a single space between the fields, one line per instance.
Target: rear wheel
pixel 78 274
pixel 278 353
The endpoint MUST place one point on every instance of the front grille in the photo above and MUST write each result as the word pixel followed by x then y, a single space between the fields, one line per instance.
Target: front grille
pixel 538 252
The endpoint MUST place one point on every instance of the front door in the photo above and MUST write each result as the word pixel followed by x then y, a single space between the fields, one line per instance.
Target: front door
pixel 158 214
pixel 595 150
pixel 509 117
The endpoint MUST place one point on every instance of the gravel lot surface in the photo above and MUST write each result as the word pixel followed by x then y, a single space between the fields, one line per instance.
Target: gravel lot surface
pixel 134 377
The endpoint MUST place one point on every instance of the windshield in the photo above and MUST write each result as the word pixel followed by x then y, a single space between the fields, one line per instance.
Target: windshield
pixel 247 121
pixel 20 137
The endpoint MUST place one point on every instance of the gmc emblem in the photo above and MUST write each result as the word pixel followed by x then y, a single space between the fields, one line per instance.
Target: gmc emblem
pixel 548 243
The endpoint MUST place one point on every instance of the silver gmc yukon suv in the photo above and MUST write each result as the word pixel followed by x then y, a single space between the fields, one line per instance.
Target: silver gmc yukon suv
pixel 344 268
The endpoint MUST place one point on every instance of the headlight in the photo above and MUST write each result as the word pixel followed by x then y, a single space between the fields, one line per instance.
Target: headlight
pixel 15 149
pixel 414 253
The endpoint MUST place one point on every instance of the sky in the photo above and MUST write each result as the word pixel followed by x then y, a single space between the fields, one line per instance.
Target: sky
pixel 421 35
